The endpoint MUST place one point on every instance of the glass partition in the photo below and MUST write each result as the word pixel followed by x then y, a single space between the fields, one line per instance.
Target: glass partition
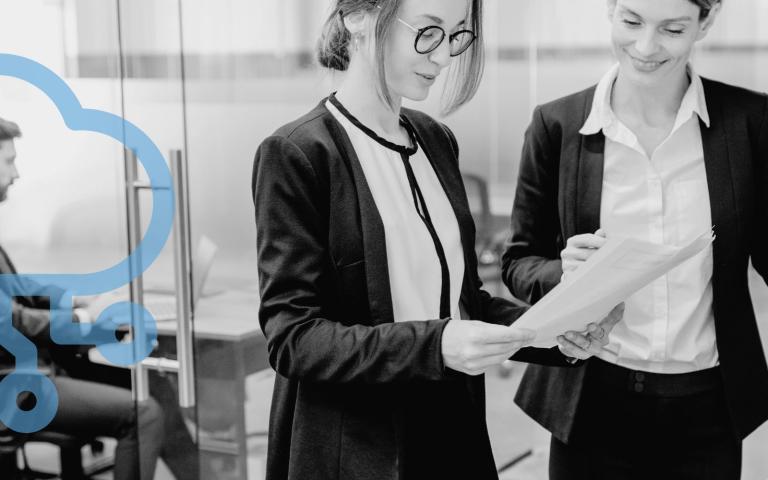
pixel 211 80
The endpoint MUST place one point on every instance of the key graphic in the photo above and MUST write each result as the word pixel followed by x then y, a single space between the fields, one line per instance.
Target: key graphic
pixel 26 377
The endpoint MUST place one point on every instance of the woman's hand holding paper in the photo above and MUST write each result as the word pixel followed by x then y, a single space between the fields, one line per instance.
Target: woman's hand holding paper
pixel 578 249
pixel 585 344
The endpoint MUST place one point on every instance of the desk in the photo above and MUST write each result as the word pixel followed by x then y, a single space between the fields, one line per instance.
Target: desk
pixel 228 342
pixel 228 346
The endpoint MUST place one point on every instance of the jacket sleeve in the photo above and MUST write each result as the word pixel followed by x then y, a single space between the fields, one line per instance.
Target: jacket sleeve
pixel 42 296
pixel 502 311
pixel 294 271
pixel 30 319
pixel 30 313
pixel 531 264
pixel 33 323
pixel 31 293
pixel 758 253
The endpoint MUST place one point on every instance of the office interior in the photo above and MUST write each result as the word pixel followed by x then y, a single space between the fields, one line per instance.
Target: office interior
pixel 210 80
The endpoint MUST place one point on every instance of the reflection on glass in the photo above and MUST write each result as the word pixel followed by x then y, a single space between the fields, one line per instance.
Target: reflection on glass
pixel 213 79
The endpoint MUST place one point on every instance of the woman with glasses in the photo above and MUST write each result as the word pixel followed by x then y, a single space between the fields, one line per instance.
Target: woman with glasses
pixel 366 261
pixel 654 152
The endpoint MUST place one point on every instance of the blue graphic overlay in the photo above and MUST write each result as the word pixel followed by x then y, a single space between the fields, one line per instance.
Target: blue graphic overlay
pixel 64 331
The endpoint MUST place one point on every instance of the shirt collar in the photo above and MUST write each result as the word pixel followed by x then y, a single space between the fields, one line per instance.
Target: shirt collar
pixel 694 100
pixel 601 115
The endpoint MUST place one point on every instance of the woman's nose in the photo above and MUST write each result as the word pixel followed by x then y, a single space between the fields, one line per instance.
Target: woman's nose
pixel 442 54
pixel 647 44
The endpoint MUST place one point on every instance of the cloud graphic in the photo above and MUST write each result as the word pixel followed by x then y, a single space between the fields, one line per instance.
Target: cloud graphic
pixel 27 377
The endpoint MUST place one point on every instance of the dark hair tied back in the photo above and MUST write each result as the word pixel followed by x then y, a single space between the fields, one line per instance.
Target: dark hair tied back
pixel 333 46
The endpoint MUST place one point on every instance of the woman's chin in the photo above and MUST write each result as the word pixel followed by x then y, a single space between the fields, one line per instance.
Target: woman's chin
pixel 417 94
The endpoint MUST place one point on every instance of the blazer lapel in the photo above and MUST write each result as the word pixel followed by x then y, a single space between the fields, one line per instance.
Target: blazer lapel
pixel 584 208
pixel 6 266
pixel 589 184
pixel 15 286
pixel 438 151
pixel 717 163
pixel 374 244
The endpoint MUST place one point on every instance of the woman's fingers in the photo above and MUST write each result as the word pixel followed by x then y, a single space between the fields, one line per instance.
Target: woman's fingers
pixel 586 240
pixel 613 318
pixel 482 365
pixel 572 350
pixel 583 345
pixel 581 340
pixel 576 254
pixel 598 334
pixel 483 332
pixel 472 346
pixel 579 248
pixel 494 349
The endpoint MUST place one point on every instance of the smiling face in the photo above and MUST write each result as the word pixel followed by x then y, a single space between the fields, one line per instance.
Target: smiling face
pixel 653 39
pixel 411 74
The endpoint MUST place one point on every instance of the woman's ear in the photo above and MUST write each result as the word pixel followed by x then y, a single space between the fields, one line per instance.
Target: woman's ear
pixel 709 21
pixel 356 23
pixel 611 4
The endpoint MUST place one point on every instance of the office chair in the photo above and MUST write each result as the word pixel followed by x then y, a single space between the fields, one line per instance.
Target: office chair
pixel 489 239
pixel 70 455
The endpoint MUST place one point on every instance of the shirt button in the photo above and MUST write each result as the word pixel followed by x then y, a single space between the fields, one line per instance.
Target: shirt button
pixel 639 376
pixel 639 387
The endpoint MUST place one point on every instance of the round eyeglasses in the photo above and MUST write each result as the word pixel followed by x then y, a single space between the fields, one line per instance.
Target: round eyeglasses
pixel 431 37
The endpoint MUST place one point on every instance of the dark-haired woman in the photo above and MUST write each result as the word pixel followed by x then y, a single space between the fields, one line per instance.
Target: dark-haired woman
pixel 652 152
pixel 365 245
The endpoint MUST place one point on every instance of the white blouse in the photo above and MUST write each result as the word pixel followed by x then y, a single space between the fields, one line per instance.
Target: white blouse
pixel 415 276
pixel 660 197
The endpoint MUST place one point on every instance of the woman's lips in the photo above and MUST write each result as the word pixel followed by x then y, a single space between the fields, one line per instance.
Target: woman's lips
pixel 646 65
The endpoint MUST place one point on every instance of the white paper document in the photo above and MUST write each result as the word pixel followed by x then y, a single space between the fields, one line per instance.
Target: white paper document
pixel 614 272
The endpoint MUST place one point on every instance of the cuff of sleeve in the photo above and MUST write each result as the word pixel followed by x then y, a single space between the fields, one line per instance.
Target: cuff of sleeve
pixel 82 315
pixel 447 372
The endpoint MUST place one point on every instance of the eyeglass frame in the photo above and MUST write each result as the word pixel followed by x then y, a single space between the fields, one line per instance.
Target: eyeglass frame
pixel 420 31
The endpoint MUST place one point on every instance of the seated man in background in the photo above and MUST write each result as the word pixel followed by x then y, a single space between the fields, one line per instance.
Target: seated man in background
pixel 85 407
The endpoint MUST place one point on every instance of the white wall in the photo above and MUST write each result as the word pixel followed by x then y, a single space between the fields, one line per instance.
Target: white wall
pixel 227 119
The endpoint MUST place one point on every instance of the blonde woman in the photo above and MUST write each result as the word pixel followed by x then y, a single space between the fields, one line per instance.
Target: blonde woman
pixel 370 300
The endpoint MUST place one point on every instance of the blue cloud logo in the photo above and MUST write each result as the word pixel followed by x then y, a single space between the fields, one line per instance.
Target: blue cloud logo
pixel 26 377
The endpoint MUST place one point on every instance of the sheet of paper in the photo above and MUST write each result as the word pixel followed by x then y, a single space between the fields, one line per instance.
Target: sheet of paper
pixel 613 273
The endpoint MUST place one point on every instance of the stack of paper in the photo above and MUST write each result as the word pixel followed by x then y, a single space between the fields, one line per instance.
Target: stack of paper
pixel 614 272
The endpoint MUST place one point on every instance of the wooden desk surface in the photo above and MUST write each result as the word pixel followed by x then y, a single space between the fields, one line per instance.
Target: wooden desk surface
pixel 230 316
pixel 229 313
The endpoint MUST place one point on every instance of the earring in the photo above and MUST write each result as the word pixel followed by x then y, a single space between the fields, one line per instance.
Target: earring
pixel 356 41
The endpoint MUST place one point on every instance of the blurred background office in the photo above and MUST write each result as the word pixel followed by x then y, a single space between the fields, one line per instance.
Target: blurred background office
pixel 208 80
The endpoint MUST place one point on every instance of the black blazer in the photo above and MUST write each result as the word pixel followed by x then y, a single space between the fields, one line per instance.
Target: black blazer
pixel 30 315
pixel 355 392
pixel 559 194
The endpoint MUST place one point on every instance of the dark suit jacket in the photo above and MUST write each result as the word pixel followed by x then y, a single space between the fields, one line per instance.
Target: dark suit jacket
pixel 356 391
pixel 30 314
pixel 559 194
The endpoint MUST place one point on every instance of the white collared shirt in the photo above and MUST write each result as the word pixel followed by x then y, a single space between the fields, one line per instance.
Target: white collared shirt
pixel 668 326
pixel 412 262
